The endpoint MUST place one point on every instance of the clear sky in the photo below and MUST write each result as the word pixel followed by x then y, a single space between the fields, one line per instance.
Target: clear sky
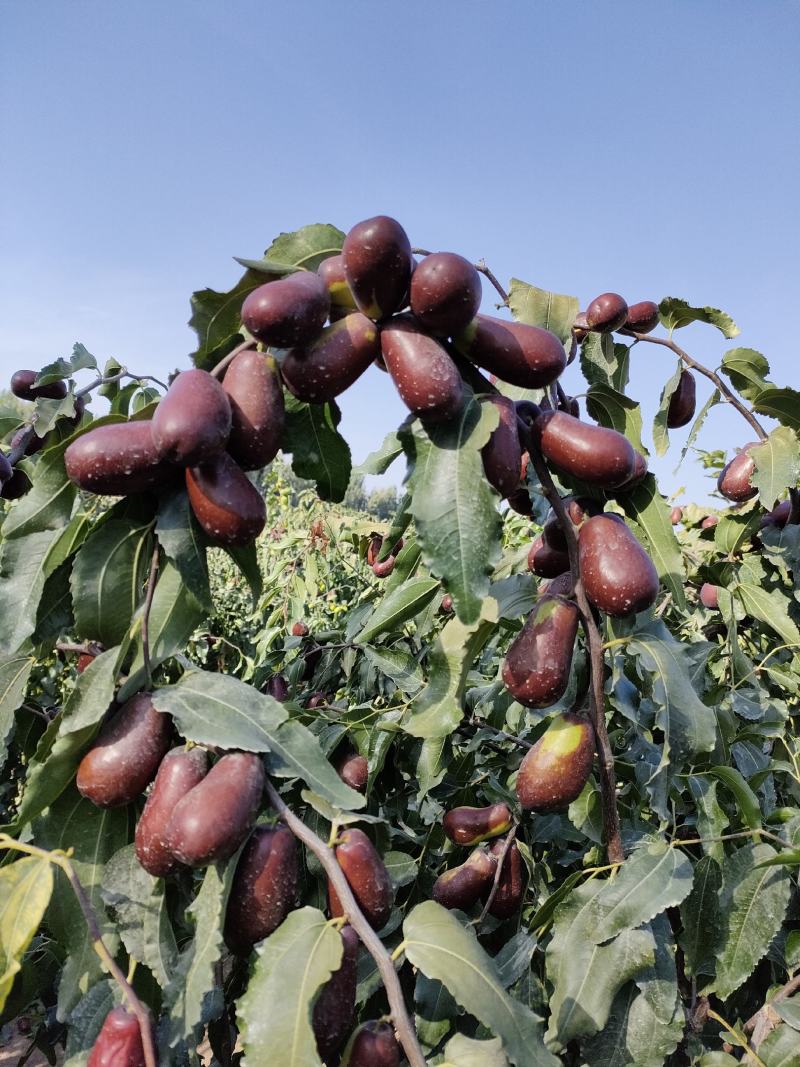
pixel 646 148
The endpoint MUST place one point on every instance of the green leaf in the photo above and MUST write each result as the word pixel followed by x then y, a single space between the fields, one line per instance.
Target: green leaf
pixel 86 1021
pixel 81 359
pixel 650 511
pixel 14 674
pixel 457 523
pixel 184 544
pixel 306 247
pixel 108 578
pixel 747 371
pixel 401 520
pixel 753 902
pixel 319 452
pixel 734 531
pixel 443 949
pixel 434 1010
pixel 604 362
pixel 402 868
pixel 653 879
pixel 398 607
pixel 676 313
pixel 538 307
pixel 697 425
pixel 379 461
pixel 461 1051
pixel 789 1011
pixel 617 411
pixel 767 607
pixel 780 404
pixel 700 918
pixel 140 908
pixel 660 429
pixel 746 800
pixel 216 319
pixel 48 505
pixel 586 976
pixel 25 888
pixel 291 967
pixel 789 857
pixel 780 1047
pixel 777 463
pixel 23 570
pixel 246 559
pixel 400 666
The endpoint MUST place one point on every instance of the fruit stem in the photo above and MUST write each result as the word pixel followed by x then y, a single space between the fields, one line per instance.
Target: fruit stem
pixel 220 368
pixel 501 859
pixel 480 267
pixel 148 603
pixel 373 944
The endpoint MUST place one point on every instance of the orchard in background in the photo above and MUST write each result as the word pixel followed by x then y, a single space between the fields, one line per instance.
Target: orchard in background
pixel 483 785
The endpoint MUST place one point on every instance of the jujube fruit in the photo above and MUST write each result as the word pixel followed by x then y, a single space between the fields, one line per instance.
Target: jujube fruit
pixel 422 370
pixel 367 877
pixel 353 769
pixel 263 889
pixel 331 270
pixel 6 470
pixel 676 515
pixel 225 502
pixel 33 442
pixel 119 1043
pixel 372 1045
pixel 470 826
pixel 709 521
pixel 17 485
pixel 277 687
pixel 22 387
pixel 118 460
pixel 180 770
pixel 257 411
pixel 682 403
pixel 642 317
pixel 212 820
pixel 299 629
pixel 377 265
pixel 537 666
pixel 734 481
pixel 779 515
pixel 332 1015
pixel 522 355
pixel 546 561
pixel 617 574
pixel 384 567
pixel 446 606
pixel 638 475
pixel 606 313
pixel 289 311
pixel 445 293
pixel 709 596
pixel 580 327
pixel 193 420
pixel 561 585
pixel 84 659
pixel 462 886
pixel 502 453
pixel 126 754
pixel 520 502
pixel 578 509
pixel 512 884
pixel 320 371
pixel 594 454
pixel 558 766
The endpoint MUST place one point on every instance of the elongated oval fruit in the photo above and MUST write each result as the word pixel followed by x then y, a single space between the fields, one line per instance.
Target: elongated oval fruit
pixel 618 575
pixel 537 666
pixel 594 454
pixel 639 474
pixel 513 882
pixel 225 502
pixel 558 766
pixel 22 386
pixel 445 293
pixel 119 1043
pixel 210 821
pixel 377 265
pixel 522 355
pixel 469 826
pixel 779 516
pixel 546 561
pixel 263 890
pixel 734 481
pixel 463 886
pixel 367 877
pixel 422 370
pixel 606 313
pixel 372 1045
pixel 331 270
pixel 502 453
pixel 578 509
pixel 192 422
pixel 683 401
pixel 125 756
pixel 353 769
pixel 322 370
pixel 16 486
pixel 118 460
pixel 257 412
pixel 709 596
pixel 276 686
pixel 642 317
pixel 180 771
pixel 332 1016
pixel 289 311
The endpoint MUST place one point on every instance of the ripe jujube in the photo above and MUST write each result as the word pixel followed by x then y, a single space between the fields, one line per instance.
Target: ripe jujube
pixel 263 889
pixel 193 420
pixel 682 402
pixel 180 770
pixel 502 453
pixel 384 567
pixel 257 412
pixel 320 371
pixel 735 479
pixel 353 769
pixel 422 370
pixel 546 561
pixel 372 1045
pixel 367 877
pixel 462 886
pixel 22 387
pixel 537 666
pixel 617 574
pixel 118 460
pixel 470 826
pixel 119 1043
pixel 709 596
pixel 289 311
pixel 512 884
pixel 335 1006
pixel 606 313
pixel 522 355
pixel 331 270
pixel 445 293
pixel 225 502
pixel 594 454
pixel 16 486
pixel 642 317
pixel 377 265
pixel 554 772
pixel 779 516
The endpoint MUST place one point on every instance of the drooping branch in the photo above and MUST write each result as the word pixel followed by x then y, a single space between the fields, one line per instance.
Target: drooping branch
pixel 373 944
pixel 148 603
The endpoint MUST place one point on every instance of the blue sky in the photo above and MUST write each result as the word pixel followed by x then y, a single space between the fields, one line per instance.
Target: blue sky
pixel 650 149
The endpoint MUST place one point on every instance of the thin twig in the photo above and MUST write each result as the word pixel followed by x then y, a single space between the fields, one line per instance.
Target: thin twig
pixel 752 1057
pixel 148 603
pixel 501 859
pixel 766 1018
pixel 226 361
pixel 373 944
pixel 92 648
pixel 482 724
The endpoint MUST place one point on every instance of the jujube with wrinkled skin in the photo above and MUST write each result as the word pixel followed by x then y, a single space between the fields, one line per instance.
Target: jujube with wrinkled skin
pixel 180 771
pixel 537 666
pixel 512 884
pixel 331 270
pixel 735 479
pixel 467 825
pixel 617 574
pixel 212 820
pixel 257 412
pixel 322 370
pixel 594 454
pixel 546 561
pixel 367 877
pixel 118 460
pixel 22 387
pixel 502 453
pixel 642 317
pixel 377 265
pixel 193 420
pixel 119 1043
pixel 264 888
pixel 522 355
pixel 335 1006
pixel 372 1045
pixel 463 886
pixel 422 370
pixel 554 772
pixel 225 502
pixel 125 756
pixel 606 313
pixel 289 311
pixel 445 293
pixel 683 401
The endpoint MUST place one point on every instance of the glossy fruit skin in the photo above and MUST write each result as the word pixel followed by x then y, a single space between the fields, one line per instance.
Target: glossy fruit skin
pixel 193 421
pixel 180 771
pixel 17 485
pixel 119 1043
pixel 639 474
pixel 257 411
pixel 546 561
pixel 383 568
pixel 377 265
pixel 513 882
pixel 683 401
pixel 264 888
pixel 335 1006
pixel 446 606
pixel 445 293
pixel 606 313
pixel 353 769
pixel 320 371
pixel 470 826
pixel 578 510
pixel 289 311
pixel 709 521
pixel 299 629
pixel 709 596
pixel 522 355
pixel 779 516
pixel 558 766
pixel 502 453
pixel 317 700
pixel 461 887
pixel 642 317
pixel 117 460
pixel 618 575
pixel 423 373
pixel 734 479
pixel 372 1045
pixel 277 687
pixel 561 585
pixel 22 386
pixel 225 502
pixel 594 454
pixel 367 877
pixel 210 821
pixel 537 666
pixel 125 756
pixel 676 516
pixel 331 270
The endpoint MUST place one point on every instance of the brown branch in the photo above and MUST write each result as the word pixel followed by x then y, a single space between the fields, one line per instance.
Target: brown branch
pixel 509 841
pixel 373 944
pixel 481 724
pixel 148 603
pixel 766 1018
